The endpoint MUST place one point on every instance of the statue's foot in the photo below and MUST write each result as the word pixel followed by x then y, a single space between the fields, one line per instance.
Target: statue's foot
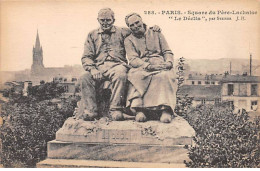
pixel 140 117
pixel 166 117
pixel 133 110
pixel 117 115
pixel 89 116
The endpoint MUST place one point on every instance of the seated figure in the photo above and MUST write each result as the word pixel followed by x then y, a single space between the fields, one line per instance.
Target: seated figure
pixel 104 60
pixel 152 86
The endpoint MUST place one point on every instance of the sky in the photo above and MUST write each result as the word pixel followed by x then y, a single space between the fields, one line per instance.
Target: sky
pixel 64 25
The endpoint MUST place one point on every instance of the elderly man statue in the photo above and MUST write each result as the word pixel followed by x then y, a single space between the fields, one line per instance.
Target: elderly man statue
pixel 152 86
pixel 104 59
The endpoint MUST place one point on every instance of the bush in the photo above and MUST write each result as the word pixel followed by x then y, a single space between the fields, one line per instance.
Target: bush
pixel 29 124
pixel 6 92
pixel 183 104
pixel 223 139
pixel 68 106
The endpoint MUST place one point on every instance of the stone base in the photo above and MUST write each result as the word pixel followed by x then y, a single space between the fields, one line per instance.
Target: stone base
pixel 120 144
pixel 63 163
pixel 117 152
pixel 178 132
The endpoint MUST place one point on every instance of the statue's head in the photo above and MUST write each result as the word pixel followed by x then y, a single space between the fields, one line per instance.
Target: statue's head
pixel 135 23
pixel 106 19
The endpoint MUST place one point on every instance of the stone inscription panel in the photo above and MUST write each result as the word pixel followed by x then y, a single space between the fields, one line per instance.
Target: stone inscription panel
pixel 117 136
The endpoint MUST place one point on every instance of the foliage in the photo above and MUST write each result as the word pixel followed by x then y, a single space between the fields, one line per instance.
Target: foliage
pixel 46 91
pixel 10 92
pixel 223 139
pixel 26 131
pixel 183 102
pixel 7 92
pixel 68 106
pixel 36 93
pixel 180 72
pixel 30 122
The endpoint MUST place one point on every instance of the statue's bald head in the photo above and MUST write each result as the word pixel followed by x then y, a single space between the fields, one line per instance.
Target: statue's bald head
pixel 106 12
pixel 106 19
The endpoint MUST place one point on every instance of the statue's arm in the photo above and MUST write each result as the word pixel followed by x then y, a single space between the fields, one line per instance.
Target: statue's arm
pixel 126 31
pixel 133 57
pixel 88 54
pixel 166 51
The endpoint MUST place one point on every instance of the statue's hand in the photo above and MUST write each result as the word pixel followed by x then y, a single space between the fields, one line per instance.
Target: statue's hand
pixel 156 28
pixel 156 67
pixel 96 74
pixel 168 65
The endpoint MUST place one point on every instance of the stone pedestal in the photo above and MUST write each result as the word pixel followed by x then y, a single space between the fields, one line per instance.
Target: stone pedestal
pixel 128 142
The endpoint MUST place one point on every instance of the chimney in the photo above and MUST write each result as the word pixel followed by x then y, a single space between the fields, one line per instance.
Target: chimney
pixel 250 65
pixel 225 73
pixel 244 73
pixel 230 68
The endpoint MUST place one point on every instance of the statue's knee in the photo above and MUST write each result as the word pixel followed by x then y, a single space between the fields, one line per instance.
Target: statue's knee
pixel 120 76
pixel 165 75
pixel 86 77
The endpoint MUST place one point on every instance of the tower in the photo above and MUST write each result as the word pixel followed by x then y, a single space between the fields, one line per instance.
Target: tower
pixel 37 65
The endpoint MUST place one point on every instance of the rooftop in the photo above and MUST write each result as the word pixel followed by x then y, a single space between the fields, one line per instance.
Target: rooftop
pixel 212 77
pixel 12 83
pixel 241 78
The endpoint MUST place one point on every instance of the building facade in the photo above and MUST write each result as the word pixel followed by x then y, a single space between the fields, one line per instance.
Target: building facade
pixel 199 79
pixel 241 91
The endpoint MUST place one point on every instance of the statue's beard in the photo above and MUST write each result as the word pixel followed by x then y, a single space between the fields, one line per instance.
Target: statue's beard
pixel 106 27
pixel 139 30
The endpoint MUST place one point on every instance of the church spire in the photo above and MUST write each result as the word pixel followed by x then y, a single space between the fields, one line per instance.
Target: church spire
pixel 37 66
pixel 37 42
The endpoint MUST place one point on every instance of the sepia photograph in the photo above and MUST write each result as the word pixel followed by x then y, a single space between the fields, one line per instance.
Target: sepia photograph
pixel 129 84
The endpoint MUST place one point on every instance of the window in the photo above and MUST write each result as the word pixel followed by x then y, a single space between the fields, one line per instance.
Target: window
pixel 230 89
pixel 203 101
pixel 254 105
pixel 217 101
pixel 243 89
pixel 192 82
pixel 66 87
pixel 199 82
pixel 74 79
pixel 253 89
pixel 206 82
pixel 213 82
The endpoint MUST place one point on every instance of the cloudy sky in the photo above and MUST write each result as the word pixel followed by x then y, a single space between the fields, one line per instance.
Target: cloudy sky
pixel 64 25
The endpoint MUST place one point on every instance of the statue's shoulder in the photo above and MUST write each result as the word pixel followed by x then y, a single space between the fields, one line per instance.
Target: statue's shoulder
pixel 130 38
pixel 94 32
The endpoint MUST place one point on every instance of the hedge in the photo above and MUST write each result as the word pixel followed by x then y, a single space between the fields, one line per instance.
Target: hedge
pixel 223 138
pixel 30 122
